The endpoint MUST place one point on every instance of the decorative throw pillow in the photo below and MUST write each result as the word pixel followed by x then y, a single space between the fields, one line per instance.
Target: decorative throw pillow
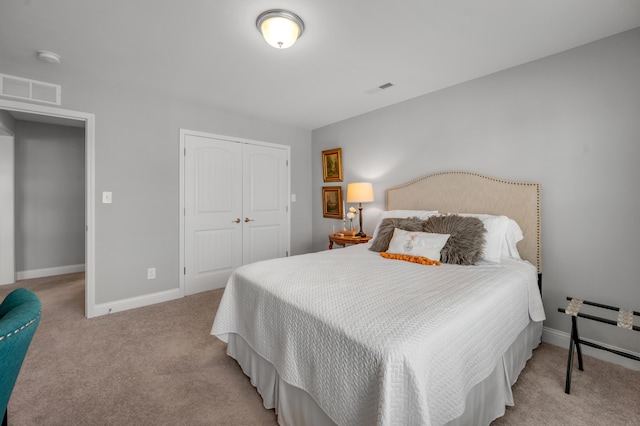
pixel 466 238
pixel 386 228
pixel 414 243
pixel 420 214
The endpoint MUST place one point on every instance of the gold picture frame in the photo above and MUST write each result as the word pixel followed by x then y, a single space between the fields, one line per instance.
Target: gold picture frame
pixel 332 202
pixel 332 165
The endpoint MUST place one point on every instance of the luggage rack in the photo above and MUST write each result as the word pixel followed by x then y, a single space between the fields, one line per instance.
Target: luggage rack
pixel 625 320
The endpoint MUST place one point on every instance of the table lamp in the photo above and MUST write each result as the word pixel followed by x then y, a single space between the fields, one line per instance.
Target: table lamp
pixel 360 192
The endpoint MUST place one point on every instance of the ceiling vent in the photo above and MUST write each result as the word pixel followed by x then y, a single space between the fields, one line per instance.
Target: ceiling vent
pixel 379 88
pixel 31 90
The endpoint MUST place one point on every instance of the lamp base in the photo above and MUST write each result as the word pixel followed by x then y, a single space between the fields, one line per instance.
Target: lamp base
pixel 360 233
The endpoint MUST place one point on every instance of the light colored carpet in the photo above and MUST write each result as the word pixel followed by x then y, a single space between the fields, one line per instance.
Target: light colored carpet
pixel 158 365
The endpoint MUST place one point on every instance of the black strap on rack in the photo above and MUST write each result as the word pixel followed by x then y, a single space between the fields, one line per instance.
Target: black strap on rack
pixel 625 320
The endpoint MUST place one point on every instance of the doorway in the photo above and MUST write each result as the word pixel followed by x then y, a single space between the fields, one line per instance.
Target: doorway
pixel 61 116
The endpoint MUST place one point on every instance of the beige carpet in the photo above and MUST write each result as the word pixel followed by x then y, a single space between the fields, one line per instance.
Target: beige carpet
pixel 159 365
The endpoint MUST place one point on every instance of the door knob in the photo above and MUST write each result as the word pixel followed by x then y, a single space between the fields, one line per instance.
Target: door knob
pixel 237 220
pixel 246 219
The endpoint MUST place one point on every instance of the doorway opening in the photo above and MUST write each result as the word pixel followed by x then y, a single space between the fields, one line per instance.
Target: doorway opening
pixel 52 115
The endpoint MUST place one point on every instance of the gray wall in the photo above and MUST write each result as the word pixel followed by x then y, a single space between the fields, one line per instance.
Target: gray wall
pixel 137 158
pixel 570 122
pixel 50 195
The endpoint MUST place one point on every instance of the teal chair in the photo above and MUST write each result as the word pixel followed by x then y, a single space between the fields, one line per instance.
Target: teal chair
pixel 19 317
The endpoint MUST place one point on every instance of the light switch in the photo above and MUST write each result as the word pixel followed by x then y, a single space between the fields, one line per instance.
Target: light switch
pixel 293 198
pixel 106 198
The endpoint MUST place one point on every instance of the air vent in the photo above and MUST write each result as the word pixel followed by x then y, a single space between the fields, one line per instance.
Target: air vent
pixel 379 88
pixel 31 90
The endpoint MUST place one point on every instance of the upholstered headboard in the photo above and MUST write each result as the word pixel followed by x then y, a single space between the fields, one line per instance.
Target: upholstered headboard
pixel 463 192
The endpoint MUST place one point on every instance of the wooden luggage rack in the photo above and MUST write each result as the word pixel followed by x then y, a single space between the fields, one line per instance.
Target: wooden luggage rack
pixel 625 320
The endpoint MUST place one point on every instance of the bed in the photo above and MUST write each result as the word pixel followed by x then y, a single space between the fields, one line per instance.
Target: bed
pixel 349 337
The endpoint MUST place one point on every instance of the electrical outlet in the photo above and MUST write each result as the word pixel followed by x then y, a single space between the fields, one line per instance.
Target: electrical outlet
pixel 151 273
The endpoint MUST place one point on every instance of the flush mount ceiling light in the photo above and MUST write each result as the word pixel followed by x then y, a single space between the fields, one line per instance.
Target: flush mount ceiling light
pixel 280 28
pixel 50 57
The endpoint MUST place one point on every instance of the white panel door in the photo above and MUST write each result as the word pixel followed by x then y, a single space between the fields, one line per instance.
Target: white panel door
pixel 7 229
pixel 265 205
pixel 213 212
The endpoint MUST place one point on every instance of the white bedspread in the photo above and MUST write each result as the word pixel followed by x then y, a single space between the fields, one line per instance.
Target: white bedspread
pixel 379 341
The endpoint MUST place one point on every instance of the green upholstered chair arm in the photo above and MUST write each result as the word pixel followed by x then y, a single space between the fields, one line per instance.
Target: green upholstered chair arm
pixel 20 314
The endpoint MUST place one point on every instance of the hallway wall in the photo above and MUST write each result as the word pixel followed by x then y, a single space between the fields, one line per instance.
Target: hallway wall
pixel 50 196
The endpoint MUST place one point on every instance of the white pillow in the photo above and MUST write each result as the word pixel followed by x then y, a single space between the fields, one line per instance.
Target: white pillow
pixel 512 237
pixel 496 236
pixel 422 244
pixel 420 214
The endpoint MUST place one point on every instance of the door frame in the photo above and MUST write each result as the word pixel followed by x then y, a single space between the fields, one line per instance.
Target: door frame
pixel 7 207
pixel 89 140
pixel 182 153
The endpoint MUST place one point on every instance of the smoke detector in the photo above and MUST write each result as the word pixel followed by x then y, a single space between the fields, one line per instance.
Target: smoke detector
pixel 49 57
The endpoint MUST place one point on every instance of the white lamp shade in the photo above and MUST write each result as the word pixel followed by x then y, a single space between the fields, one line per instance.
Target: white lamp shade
pixel 280 28
pixel 360 192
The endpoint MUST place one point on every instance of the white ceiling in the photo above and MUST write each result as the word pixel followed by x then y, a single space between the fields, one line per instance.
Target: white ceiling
pixel 209 51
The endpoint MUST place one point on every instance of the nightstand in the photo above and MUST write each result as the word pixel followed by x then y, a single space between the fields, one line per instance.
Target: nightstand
pixel 343 240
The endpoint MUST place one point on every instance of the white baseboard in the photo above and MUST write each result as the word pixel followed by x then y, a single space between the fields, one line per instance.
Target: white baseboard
pixel 136 302
pixel 560 338
pixel 49 272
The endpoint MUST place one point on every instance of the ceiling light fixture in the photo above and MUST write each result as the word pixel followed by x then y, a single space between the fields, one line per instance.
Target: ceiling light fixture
pixel 280 28
pixel 49 57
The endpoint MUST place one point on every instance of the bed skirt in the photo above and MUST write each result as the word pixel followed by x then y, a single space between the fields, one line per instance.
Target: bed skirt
pixel 294 407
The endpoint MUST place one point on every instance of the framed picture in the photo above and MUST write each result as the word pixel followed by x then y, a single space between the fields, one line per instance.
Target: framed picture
pixel 332 202
pixel 332 165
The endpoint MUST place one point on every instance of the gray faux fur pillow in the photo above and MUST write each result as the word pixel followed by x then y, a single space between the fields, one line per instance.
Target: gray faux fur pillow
pixel 467 238
pixel 387 226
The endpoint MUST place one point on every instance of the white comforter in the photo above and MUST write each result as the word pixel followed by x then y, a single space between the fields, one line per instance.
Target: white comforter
pixel 379 341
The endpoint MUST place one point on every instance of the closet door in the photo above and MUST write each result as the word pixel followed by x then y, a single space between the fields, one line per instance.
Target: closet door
pixel 265 203
pixel 213 212
pixel 236 208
